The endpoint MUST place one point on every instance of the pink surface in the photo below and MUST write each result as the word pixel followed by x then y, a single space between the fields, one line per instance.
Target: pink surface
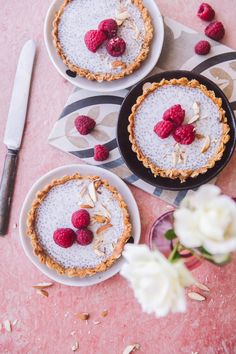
pixel 48 325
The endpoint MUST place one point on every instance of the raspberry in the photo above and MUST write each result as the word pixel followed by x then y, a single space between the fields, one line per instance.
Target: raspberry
pixel 163 129
pixel 80 218
pixel 84 237
pixel 206 12
pixel 84 124
pixel 64 237
pixel 202 47
pixel 185 134
pixel 101 153
pixel 215 30
pixel 116 46
pixel 175 114
pixel 93 39
pixel 109 27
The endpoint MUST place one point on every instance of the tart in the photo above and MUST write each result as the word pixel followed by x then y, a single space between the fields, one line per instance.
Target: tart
pixel 109 223
pixel 76 17
pixel 167 157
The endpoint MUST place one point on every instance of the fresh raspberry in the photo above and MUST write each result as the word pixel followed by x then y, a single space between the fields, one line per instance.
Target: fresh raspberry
pixel 206 12
pixel 109 27
pixel 64 237
pixel 84 124
pixel 101 153
pixel 116 46
pixel 164 128
pixel 84 237
pixel 80 218
pixel 215 30
pixel 202 47
pixel 93 39
pixel 175 114
pixel 185 134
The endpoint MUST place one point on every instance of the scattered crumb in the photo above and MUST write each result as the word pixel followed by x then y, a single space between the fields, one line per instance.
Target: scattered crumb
pixel 104 313
pixel 96 322
pixel 72 333
pixel 75 347
pixel 7 325
pixel 84 316
pixel 131 348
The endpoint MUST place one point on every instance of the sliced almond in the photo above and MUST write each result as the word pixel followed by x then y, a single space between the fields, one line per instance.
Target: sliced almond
pixel 96 322
pixel 122 15
pixel 206 145
pixel 42 285
pixel 75 347
pixel 195 296
pixel 99 253
pixel 107 213
pixel 104 313
pixel 97 184
pixel 100 219
pixel 118 64
pixel 42 292
pixel 83 191
pixel 131 348
pixel 193 119
pixel 88 201
pixel 14 322
pixel 202 286
pixel 83 316
pixel 7 325
pixel 103 228
pixel 196 108
pixel 92 192
pixel 199 136
pixel 86 206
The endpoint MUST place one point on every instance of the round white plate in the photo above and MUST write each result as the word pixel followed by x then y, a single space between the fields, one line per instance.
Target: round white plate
pixel 84 170
pixel 115 85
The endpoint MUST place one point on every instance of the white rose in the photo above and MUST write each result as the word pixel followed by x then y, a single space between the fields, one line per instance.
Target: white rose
pixel 158 284
pixel 207 218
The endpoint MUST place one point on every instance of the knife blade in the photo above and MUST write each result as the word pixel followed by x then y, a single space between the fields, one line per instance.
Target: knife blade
pixel 15 128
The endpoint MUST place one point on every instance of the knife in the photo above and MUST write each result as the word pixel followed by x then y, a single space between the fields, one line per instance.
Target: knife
pixel 14 130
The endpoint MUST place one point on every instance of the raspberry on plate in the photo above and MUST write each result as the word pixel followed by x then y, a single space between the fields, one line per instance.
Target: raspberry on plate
pixel 174 114
pixel 64 237
pixel 116 46
pixel 185 134
pixel 101 153
pixel 215 30
pixel 202 48
pixel 80 218
pixel 163 129
pixel 84 237
pixel 93 39
pixel 206 12
pixel 84 124
pixel 109 27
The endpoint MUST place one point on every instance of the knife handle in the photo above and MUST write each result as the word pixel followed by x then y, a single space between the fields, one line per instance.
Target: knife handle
pixel 7 188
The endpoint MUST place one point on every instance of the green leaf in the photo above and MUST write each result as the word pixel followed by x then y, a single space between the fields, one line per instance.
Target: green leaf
pixel 170 235
pixel 176 257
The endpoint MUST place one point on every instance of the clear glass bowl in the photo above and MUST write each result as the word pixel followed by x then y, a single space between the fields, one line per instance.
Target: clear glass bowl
pixel 158 241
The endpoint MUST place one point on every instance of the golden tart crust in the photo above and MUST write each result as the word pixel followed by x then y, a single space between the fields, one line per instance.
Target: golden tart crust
pixel 49 261
pixel 178 173
pixel 127 70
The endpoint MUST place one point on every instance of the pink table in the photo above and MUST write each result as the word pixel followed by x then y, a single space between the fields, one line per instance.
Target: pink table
pixel 48 325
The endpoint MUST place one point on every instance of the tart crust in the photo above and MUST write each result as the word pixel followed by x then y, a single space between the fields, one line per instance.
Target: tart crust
pixel 107 76
pixel 49 261
pixel 178 173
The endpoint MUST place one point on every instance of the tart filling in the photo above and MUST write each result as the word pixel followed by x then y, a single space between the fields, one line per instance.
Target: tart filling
pixel 166 157
pixel 52 209
pixel 76 17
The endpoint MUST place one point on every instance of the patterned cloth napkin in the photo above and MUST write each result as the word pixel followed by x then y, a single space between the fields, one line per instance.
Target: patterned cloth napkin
pixel 178 53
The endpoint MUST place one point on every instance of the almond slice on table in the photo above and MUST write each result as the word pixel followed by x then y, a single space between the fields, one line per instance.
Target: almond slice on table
pixel 131 348
pixel 42 292
pixel 75 347
pixel 206 145
pixel 104 313
pixel 83 316
pixel 202 286
pixel 7 325
pixel 196 296
pixel 42 285
pixel 103 228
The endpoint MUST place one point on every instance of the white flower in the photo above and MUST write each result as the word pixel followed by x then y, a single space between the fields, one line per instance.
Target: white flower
pixel 158 284
pixel 207 218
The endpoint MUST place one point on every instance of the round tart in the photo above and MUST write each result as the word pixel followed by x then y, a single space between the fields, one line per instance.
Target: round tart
pixel 166 157
pixel 109 222
pixel 76 17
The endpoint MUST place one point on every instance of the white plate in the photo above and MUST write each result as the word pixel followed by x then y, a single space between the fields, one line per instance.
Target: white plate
pixel 115 85
pixel 84 170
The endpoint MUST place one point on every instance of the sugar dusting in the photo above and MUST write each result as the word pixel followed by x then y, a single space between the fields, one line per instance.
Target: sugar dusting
pixel 81 16
pixel 55 212
pixel 160 151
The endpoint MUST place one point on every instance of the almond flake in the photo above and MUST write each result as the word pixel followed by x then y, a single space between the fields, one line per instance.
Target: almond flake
pixel 131 348
pixel 86 206
pixel 83 191
pixel 199 136
pixel 99 253
pixel 104 313
pixel 122 15
pixel 96 322
pixel 84 316
pixel 103 228
pixel 42 292
pixel 196 108
pixel 206 145
pixel 97 184
pixel 107 213
pixel 7 325
pixel 193 119
pixel 14 322
pixel 118 64
pixel 202 286
pixel 42 285
pixel 196 296
pixel 75 347
pixel 92 192
pixel 100 219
